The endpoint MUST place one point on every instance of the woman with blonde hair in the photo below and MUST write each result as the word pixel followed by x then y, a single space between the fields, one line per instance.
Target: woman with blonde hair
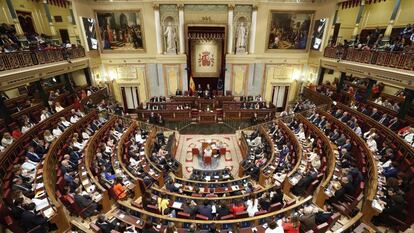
pixel 48 136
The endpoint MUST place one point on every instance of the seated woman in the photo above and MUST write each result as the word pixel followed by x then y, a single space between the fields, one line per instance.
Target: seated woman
pixel 119 189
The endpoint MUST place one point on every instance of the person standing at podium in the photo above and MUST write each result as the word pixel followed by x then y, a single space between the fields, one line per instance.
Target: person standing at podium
pixel 199 91
pixel 207 92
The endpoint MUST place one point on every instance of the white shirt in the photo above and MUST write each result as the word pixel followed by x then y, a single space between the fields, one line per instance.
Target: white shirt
pixel 301 135
pixel 57 132
pixel 278 229
pixel 358 131
pixel 44 116
pixel 66 123
pixel 85 135
pixel 252 207
pixel 372 145
pixel 59 108
pixel 138 138
pixel 409 137
pixel 29 166
pixel 74 119
pixel 6 142
pixel 25 128
pixel 49 138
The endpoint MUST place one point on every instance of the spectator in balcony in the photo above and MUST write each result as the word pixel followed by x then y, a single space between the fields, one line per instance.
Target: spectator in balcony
pixel 45 114
pixel 48 137
pixel 27 126
pixel 57 132
pixel 16 133
pixel 63 124
pixel 384 119
pixel 7 140
pixel 58 107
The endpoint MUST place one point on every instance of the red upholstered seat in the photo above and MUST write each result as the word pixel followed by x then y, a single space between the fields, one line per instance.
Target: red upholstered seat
pixel 201 217
pixel 275 207
pixel 183 215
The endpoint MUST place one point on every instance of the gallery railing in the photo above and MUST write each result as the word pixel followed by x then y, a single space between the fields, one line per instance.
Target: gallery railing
pixel 15 60
pixel 399 60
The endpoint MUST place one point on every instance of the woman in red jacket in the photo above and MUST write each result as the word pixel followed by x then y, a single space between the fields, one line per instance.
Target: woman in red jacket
pixel 291 225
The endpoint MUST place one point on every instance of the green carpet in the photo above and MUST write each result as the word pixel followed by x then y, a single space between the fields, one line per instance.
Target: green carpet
pixel 207 129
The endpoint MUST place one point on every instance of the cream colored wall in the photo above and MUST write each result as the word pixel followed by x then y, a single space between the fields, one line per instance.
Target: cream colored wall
pixel 347 18
pixel 377 15
pixel 12 93
pixel 405 13
pixel 5 13
pixel 40 21
pixel 79 78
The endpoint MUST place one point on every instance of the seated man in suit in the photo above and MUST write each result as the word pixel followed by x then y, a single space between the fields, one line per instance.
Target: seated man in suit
pixel 205 209
pixel 178 92
pixel 104 224
pixel 365 111
pixel 30 219
pixel 322 123
pixel 375 115
pixel 345 117
pixel 384 119
pixel 341 140
pixel 85 201
pixel 334 135
pixel 394 124
pixel 33 156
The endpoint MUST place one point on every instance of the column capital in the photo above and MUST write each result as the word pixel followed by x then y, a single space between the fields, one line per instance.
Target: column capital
pixel 254 7
pixel 180 6
pixel 231 7
pixel 156 7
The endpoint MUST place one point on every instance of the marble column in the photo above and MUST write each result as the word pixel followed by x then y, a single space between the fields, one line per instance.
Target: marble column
pixel 358 19
pixel 49 18
pixel 181 28
pixel 253 30
pixel 390 25
pixel 158 28
pixel 230 29
pixel 13 14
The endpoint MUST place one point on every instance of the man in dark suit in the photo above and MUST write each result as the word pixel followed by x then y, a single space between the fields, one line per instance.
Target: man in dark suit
pixel 205 210
pixel 30 219
pixel 384 119
pixel 322 123
pixel 347 145
pixel 84 201
pixel 178 92
pixel 104 224
pixel 365 111
pixel 341 140
pixel 32 156
pixel 394 124
pixel 345 117
pixel 334 135
pixel 375 115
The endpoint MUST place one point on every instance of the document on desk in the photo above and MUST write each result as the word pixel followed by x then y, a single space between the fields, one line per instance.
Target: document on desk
pixel 177 205
pixel 208 178
pixel 234 187
pixel 48 212
pixel 40 203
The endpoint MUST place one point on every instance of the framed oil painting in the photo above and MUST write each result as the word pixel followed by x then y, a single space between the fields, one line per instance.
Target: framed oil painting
pixel 120 30
pixel 289 30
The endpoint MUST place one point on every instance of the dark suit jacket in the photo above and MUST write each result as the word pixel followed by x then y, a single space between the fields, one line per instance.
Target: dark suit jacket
pixel 33 157
pixel 30 220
